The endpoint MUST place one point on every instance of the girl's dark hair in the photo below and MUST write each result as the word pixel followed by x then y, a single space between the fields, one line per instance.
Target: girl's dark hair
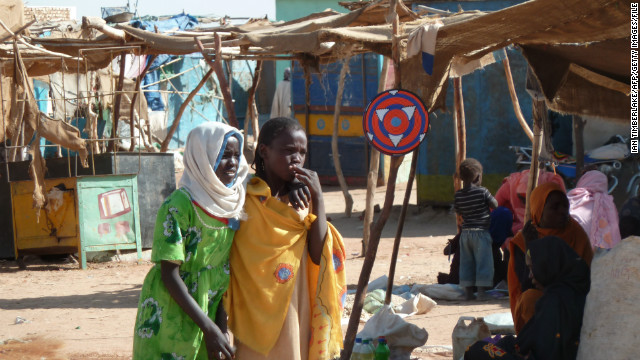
pixel 470 169
pixel 269 131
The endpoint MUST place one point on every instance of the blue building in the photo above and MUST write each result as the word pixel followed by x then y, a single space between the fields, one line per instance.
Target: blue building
pixel 490 119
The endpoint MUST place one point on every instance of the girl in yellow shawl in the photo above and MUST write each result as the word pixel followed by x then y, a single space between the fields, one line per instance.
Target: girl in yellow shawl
pixel 288 282
pixel 549 217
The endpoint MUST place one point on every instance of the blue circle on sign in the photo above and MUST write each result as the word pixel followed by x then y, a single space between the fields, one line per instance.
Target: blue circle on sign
pixel 345 124
pixel 320 124
pixel 396 122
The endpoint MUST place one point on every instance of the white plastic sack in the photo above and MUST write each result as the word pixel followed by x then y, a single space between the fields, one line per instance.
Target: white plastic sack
pixel 379 283
pixel 417 305
pixel 501 323
pixel 439 291
pixel 616 151
pixel 611 322
pixel 401 336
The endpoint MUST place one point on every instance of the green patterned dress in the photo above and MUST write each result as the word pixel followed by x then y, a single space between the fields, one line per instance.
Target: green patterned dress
pixel 184 233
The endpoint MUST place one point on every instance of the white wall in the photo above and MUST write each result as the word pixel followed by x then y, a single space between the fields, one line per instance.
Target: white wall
pixel 598 130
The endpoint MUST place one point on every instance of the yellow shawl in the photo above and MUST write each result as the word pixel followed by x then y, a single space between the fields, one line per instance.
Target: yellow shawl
pixel 265 256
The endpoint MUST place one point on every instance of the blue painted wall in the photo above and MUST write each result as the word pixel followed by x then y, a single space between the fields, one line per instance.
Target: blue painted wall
pixel 207 107
pixel 360 87
pixel 204 103
pixel 488 5
pixel 324 85
pixel 491 124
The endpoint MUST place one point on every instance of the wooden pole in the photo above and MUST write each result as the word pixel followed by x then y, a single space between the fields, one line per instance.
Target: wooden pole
pixel 116 103
pixel 514 97
pixel 369 259
pixel 578 135
pixel 216 65
pixel 403 214
pixel 183 106
pixel 307 99
pixel 348 199
pixel 460 131
pixel 372 176
pixel 251 115
pixel 460 135
pixel 395 51
pixel 254 108
pixel 376 232
pixel 135 97
pixel 539 110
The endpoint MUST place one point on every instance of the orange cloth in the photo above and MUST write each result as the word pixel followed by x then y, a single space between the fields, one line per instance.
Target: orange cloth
pixel 573 234
pixel 526 308
pixel 266 255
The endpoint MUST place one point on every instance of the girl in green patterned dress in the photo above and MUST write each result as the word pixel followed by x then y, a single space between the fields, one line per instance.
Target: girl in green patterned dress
pixel 180 315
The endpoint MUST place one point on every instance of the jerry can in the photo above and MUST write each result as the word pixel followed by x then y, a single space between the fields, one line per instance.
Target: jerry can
pixel 465 335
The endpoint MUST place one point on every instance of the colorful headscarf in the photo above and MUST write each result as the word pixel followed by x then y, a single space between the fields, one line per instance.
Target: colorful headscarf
pixel 514 190
pixel 594 209
pixel 202 154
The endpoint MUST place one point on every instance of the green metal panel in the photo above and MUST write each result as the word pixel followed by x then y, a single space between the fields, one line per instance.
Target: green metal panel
pixel 438 189
pixel 109 215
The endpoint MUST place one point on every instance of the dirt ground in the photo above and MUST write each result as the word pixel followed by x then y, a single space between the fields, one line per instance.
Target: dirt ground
pixel 90 314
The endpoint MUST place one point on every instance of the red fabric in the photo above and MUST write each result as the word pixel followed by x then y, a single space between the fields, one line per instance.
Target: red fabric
pixel 516 184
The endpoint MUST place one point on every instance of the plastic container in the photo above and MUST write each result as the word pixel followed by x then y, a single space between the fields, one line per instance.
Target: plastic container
pixel 382 351
pixel 372 345
pixel 465 335
pixel 368 352
pixel 356 354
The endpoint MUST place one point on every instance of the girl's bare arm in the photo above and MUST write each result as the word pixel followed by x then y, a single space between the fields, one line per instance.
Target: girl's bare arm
pixel 214 338
pixel 318 231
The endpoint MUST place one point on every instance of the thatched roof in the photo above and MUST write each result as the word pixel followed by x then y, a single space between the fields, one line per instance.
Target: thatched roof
pixel 578 49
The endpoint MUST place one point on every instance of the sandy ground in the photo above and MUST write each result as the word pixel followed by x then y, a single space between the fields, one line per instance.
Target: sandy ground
pixel 89 314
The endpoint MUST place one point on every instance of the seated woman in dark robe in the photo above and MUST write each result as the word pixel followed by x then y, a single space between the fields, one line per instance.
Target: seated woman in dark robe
pixel 553 333
pixel 549 217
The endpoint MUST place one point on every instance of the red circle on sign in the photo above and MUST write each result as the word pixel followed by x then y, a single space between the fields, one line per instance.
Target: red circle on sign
pixel 393 116
pixel 395 122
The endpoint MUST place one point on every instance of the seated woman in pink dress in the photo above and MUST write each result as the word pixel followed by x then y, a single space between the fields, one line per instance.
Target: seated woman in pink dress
pixel 593 208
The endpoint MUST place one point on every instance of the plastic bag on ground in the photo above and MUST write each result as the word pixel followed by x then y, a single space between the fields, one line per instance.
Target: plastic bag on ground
pixel 401 336
pixel 418 305
pixel 379 283
pixel 415 305
pixel 439 291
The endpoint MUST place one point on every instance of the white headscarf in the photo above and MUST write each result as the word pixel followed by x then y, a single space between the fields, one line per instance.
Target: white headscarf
pixel 202 154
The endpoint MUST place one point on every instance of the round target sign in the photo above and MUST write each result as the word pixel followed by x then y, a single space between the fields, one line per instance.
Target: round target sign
pixel 395 122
